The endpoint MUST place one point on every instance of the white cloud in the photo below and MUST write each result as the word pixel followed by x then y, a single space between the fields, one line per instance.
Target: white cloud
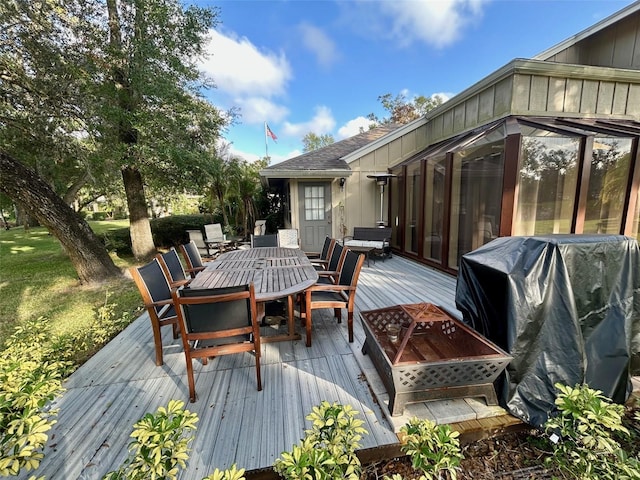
pixel 319 43
pixel 258 109
pixel 352 127
pixel 239 68
pixel 321 123
pixel 434 22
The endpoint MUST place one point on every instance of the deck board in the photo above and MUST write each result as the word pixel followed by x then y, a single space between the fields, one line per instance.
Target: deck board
pixel 237 424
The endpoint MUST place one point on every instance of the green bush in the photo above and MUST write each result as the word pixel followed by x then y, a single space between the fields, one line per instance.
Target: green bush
pixel 99 215
pixel 328 449
pixel 160 445
pixel 434 449
pixel 583 436
pixel 166 231
pixel 30 377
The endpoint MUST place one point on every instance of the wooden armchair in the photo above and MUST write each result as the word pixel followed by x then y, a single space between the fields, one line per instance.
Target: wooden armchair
pixel 320 260
pixel 340 295
pixel 156 295
pixel 215 322
pixel 192 258
pixel 173 269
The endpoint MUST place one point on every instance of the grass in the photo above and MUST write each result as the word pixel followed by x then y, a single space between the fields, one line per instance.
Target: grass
pixel 38 280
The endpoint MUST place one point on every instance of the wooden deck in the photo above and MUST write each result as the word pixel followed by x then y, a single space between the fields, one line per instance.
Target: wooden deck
pixel 238 424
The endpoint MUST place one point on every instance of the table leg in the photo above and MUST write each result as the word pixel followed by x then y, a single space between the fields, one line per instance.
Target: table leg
pixel 291 335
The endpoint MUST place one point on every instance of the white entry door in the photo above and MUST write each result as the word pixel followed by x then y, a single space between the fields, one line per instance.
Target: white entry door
pixel 314 214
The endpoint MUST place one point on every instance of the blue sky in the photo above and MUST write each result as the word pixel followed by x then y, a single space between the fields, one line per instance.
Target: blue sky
pixel 319 66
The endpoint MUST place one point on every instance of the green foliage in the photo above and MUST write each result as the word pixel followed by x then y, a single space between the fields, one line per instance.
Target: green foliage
pixel 160 445
pixel 229 474
pixel 328 449
pixel 30 377
pixel 401 110
pixel 434 449
pixel 586 424
pixel 312 141
pixel 167 232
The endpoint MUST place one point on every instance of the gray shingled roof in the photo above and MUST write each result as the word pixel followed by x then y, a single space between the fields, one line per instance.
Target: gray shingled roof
pixel 330 157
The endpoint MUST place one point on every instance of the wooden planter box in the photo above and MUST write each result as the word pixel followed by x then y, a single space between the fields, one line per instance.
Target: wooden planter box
pixel 434 356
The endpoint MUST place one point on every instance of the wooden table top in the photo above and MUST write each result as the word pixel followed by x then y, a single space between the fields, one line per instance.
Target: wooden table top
pixel 275 272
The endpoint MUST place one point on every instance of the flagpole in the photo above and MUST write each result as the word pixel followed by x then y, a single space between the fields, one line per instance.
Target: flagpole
pixel 266 143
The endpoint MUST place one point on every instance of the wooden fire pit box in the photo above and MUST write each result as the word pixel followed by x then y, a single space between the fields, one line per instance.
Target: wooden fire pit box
pixel 434 357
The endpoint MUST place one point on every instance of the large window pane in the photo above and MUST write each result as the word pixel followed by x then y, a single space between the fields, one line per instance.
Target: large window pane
pixel 434 208
pixel 476 195
pixel 412 199
pixel 548 173
pixel 607 184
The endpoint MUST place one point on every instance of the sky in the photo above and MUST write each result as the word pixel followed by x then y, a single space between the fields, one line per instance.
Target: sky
pixel 319 66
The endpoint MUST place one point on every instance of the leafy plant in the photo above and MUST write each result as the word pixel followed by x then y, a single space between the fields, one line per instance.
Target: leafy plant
pixel 229 474
pixel 434 449
pixel 29 380
pixel 584 430
pixel 160 446
pixel 328 449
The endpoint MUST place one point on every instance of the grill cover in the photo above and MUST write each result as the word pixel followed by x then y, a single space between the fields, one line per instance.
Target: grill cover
pixel 566 307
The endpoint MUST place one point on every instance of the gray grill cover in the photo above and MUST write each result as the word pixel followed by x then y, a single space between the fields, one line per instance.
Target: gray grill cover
pixel 566 307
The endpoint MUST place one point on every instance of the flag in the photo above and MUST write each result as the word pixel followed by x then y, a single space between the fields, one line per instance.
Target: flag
pixel 270 133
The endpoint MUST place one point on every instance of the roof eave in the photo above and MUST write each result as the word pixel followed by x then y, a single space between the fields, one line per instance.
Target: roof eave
pixel 305 173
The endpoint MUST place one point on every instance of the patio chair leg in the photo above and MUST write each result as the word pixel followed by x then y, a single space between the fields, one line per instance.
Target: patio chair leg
pixel 338 314
pixel 190 379
pixel 157 340
pixel 350 326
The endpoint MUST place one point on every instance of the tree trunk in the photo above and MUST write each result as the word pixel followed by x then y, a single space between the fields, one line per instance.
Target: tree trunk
pixel 86 252
pixel 142 244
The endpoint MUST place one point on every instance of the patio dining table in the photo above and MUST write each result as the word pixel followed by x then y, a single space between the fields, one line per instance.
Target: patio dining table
pixel 275 272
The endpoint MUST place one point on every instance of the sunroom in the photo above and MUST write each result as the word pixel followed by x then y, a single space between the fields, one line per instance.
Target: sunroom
pixel 521 175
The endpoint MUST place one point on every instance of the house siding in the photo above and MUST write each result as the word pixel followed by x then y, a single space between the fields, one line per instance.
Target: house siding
pixel 617 46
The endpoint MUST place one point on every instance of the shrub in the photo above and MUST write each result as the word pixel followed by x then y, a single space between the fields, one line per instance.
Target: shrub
pixel 167 232
pixel 434 449
pixel 160 445
pixel 230 474
pixel 328 449
pixel 30 377
pixel 583 431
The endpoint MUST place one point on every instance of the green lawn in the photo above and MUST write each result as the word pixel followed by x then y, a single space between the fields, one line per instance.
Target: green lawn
pixel 38 280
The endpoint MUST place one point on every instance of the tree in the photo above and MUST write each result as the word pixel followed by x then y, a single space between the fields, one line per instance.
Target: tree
pixel 153 83
pixel 40 117
pixel 311 141
pixel 78 109
pixel 404 111
pixel 87 253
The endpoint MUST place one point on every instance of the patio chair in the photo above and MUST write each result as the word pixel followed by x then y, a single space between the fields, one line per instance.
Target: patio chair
pixel 192 258
pixel 217 321
pixel 213 235
pixel 264 241
pixel 337 296
pixel 173 269
pixel 332 271
pixel 288 238
pixel 156 295
pixel 196 237
pixel 320 260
